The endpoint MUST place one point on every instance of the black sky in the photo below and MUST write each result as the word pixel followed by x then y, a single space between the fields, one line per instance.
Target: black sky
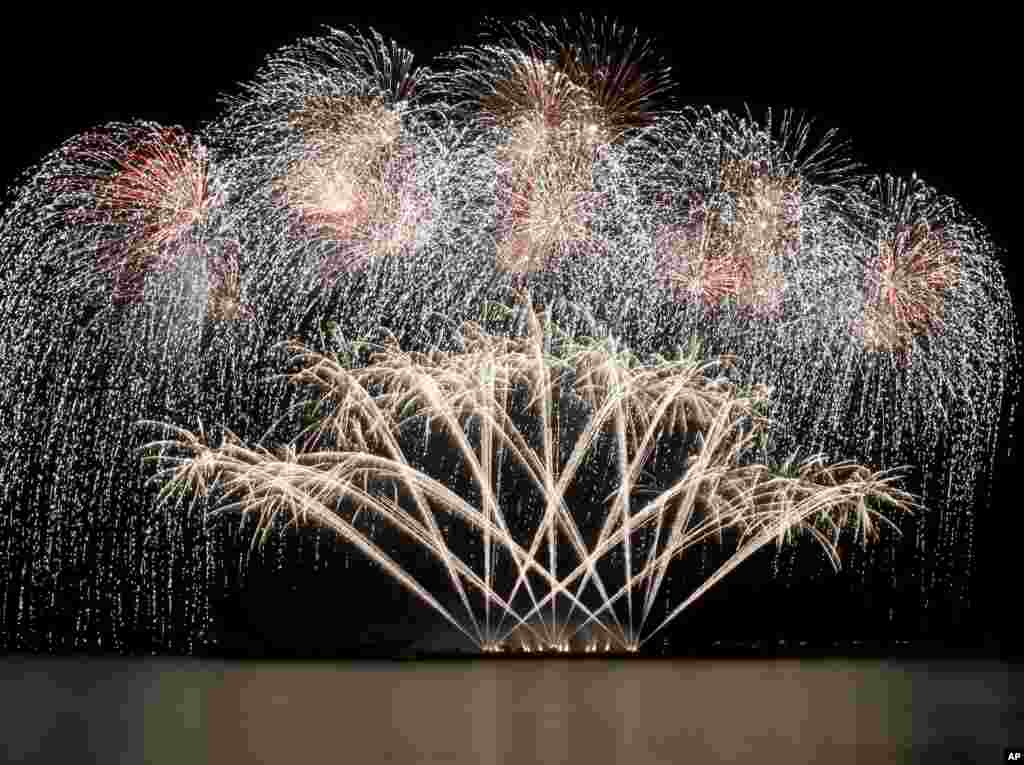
pixel 927 93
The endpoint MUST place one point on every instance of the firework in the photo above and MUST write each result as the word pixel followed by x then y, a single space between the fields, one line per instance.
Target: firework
pixel 764 232
pixel 323 142
pixel 637 404
pixel 701 260
pixel 752 201
pixel 121 261
pixel 553 97
pixel 133 197
pixel 917 265
pixel 597 75
pixel 346 193
pixel 545 206
pixel 347 184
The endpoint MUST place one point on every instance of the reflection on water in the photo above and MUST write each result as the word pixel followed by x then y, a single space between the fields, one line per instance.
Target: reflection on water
pixel 81 710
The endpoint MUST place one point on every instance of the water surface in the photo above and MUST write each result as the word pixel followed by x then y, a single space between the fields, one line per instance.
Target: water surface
pixel 83 710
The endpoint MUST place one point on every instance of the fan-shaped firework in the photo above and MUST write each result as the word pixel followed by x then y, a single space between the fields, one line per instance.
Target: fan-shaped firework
pixel 347 192
pixel 464 397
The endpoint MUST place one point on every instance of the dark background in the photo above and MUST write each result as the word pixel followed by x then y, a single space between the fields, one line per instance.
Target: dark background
pixel 914 92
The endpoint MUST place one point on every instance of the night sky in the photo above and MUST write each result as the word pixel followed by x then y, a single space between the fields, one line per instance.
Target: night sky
pixel 925 94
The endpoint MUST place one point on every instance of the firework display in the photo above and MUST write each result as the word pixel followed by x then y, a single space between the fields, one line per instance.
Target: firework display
pixel 349 199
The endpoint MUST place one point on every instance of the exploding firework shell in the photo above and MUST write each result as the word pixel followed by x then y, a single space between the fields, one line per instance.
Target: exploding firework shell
pixel 548 135
pixel 587 71
pixel 350 182
pixel 744 211
pixel 905 287
pixel 690 267
pixel 554 96
pixel 734 245
pixel 134 195
pixel 158 185
pixel 533 95
pixel 325 144
pixel 546 197
pixel 768 214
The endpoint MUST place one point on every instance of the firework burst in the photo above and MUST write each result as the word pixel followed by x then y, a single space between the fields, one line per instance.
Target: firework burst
pixel 133 197
pixel 917 265
pixel 553 98
pixel 324 141
pixel 752 200
pixel 345 185
pixel 595 74
pixel 546 201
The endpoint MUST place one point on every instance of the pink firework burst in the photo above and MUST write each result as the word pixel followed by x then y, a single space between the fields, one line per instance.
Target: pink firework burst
pixel 717 256
pixel 141 189
pixel 352 182
pixel 905 286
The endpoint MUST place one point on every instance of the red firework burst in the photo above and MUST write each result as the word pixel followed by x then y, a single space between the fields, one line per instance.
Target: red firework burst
pixel 905 286
pixel 693 265
pixel 348 184
pixel 715 256
pixel 141 189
